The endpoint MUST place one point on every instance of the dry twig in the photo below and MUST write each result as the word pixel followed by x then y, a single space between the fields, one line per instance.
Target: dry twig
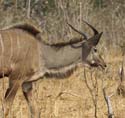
pixel 108 102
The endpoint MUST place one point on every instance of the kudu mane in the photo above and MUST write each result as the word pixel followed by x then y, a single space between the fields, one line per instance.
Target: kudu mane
pixel 29 28
pixel 37 33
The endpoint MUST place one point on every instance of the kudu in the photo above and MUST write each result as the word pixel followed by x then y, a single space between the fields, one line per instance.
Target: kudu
pixel 25 58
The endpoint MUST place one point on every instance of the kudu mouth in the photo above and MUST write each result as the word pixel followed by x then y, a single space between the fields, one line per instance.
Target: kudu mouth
pixel 98 65
pixel 98 62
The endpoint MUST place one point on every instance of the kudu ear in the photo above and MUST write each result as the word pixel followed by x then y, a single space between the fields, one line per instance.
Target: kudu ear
pixel 81 33
pixel 94 30
pixel 93 41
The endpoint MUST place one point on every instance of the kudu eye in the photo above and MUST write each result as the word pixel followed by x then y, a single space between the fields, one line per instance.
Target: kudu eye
pixel 95 50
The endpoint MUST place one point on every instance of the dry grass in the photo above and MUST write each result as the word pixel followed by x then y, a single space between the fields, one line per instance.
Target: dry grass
pixel 70 97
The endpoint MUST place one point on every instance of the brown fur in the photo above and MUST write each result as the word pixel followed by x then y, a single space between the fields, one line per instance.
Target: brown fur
pixel 25 57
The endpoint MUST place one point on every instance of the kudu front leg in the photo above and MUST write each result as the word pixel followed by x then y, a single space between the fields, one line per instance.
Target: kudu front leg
pixel 9 96
pixel 27 91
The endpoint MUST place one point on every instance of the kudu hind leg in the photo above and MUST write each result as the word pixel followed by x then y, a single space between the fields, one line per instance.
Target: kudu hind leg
pixel 10 95
pixel 27 89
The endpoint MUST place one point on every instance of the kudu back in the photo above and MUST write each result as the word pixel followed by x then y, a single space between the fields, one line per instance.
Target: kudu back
pixel 25 58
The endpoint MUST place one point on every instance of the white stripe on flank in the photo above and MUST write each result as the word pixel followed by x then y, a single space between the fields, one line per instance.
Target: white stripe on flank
pixel 18 44
pixel 11 47
pixel 2 45
pixel 2 52
pixel 39 54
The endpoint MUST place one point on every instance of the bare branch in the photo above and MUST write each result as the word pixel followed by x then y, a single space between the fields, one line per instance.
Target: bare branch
pixel 68 92
pixel 108 102
pixel 29 9
pixel 93 91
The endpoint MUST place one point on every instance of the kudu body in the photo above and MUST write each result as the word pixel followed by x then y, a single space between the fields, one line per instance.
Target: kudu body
pixel 25 58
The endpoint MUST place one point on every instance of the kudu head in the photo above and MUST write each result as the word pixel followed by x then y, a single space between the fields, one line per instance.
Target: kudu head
pixel 90 54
